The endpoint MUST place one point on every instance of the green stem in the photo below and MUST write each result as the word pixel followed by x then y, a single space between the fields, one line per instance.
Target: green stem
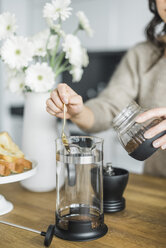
pixel 59 60
pixel 77 29
pixel 62 68
pixel 47 46
pixel 56 48
pixel 68 68
pixel 54 53
pixel 66 63
pixel 48 41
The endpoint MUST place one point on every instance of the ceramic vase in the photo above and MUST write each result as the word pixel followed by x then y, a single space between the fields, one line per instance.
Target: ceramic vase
pixel 38 142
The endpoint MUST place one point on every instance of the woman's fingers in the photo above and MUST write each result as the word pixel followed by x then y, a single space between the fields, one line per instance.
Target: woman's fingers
pixel 59 114
pixel 75 105
pixel 50 111
pixel 65 92
pixel 77 99
pixel 155 130
pixel 157 112
pixel 161 142
pixel 56 99
pixel 62 91
pixel 51 105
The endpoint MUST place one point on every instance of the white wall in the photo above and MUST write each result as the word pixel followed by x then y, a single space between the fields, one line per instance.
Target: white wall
pixel 118 24
pixel 128 24
pixel 1 105
pixel 7 99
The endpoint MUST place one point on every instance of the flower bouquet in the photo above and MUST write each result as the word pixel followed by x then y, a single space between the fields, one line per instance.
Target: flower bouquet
pixel 33 65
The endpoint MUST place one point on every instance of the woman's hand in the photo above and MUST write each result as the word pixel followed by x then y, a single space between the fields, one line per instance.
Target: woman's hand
pixel 64 94
pixel 157 112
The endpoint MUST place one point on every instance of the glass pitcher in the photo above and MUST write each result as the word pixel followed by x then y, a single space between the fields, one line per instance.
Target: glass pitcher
pixel 79 204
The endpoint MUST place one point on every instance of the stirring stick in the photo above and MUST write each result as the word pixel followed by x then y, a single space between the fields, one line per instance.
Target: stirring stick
pixel 64 138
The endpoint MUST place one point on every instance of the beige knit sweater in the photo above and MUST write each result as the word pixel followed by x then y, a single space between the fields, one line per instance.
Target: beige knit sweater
pixel 141 76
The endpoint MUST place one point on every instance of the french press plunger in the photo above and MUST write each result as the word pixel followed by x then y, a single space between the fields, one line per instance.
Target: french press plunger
pixel 79 202
pixel 79 205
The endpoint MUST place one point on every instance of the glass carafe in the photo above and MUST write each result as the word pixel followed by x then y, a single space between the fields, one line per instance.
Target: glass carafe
pixel 79 205
pixel 131 133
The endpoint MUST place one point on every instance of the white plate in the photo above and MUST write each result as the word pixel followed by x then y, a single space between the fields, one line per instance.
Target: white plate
pixel 21 176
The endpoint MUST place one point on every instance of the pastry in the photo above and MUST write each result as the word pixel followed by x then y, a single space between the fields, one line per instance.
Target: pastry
pixel 11 157
pixel 4 171
pixel 26 163
pixel 9 151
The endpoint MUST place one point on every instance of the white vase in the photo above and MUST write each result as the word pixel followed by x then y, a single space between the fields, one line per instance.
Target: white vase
pixel 38 143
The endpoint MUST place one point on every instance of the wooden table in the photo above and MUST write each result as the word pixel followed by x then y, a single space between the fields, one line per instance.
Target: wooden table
pixel 141 224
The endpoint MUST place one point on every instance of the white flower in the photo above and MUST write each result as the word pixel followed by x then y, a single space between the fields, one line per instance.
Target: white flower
pixel 57 9
pixel 55 27
pixel 52 42
pixel 16 83
pixel 17 52
pixel 40 42
pixel 76 73
pixel 84 23
pixel 39 77
pixel 85 58
pixel 10 72
pixel 76 55
pixel 7 25
pixel 73 50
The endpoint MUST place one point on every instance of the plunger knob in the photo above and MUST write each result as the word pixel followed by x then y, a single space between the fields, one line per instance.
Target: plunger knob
pixel 109 169
pixel 48 235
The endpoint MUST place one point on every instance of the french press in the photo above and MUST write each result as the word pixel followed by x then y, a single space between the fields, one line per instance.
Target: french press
pixel 79 203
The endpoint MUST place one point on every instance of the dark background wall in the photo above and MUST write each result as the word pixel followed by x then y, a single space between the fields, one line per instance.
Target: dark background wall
pixel 97 75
